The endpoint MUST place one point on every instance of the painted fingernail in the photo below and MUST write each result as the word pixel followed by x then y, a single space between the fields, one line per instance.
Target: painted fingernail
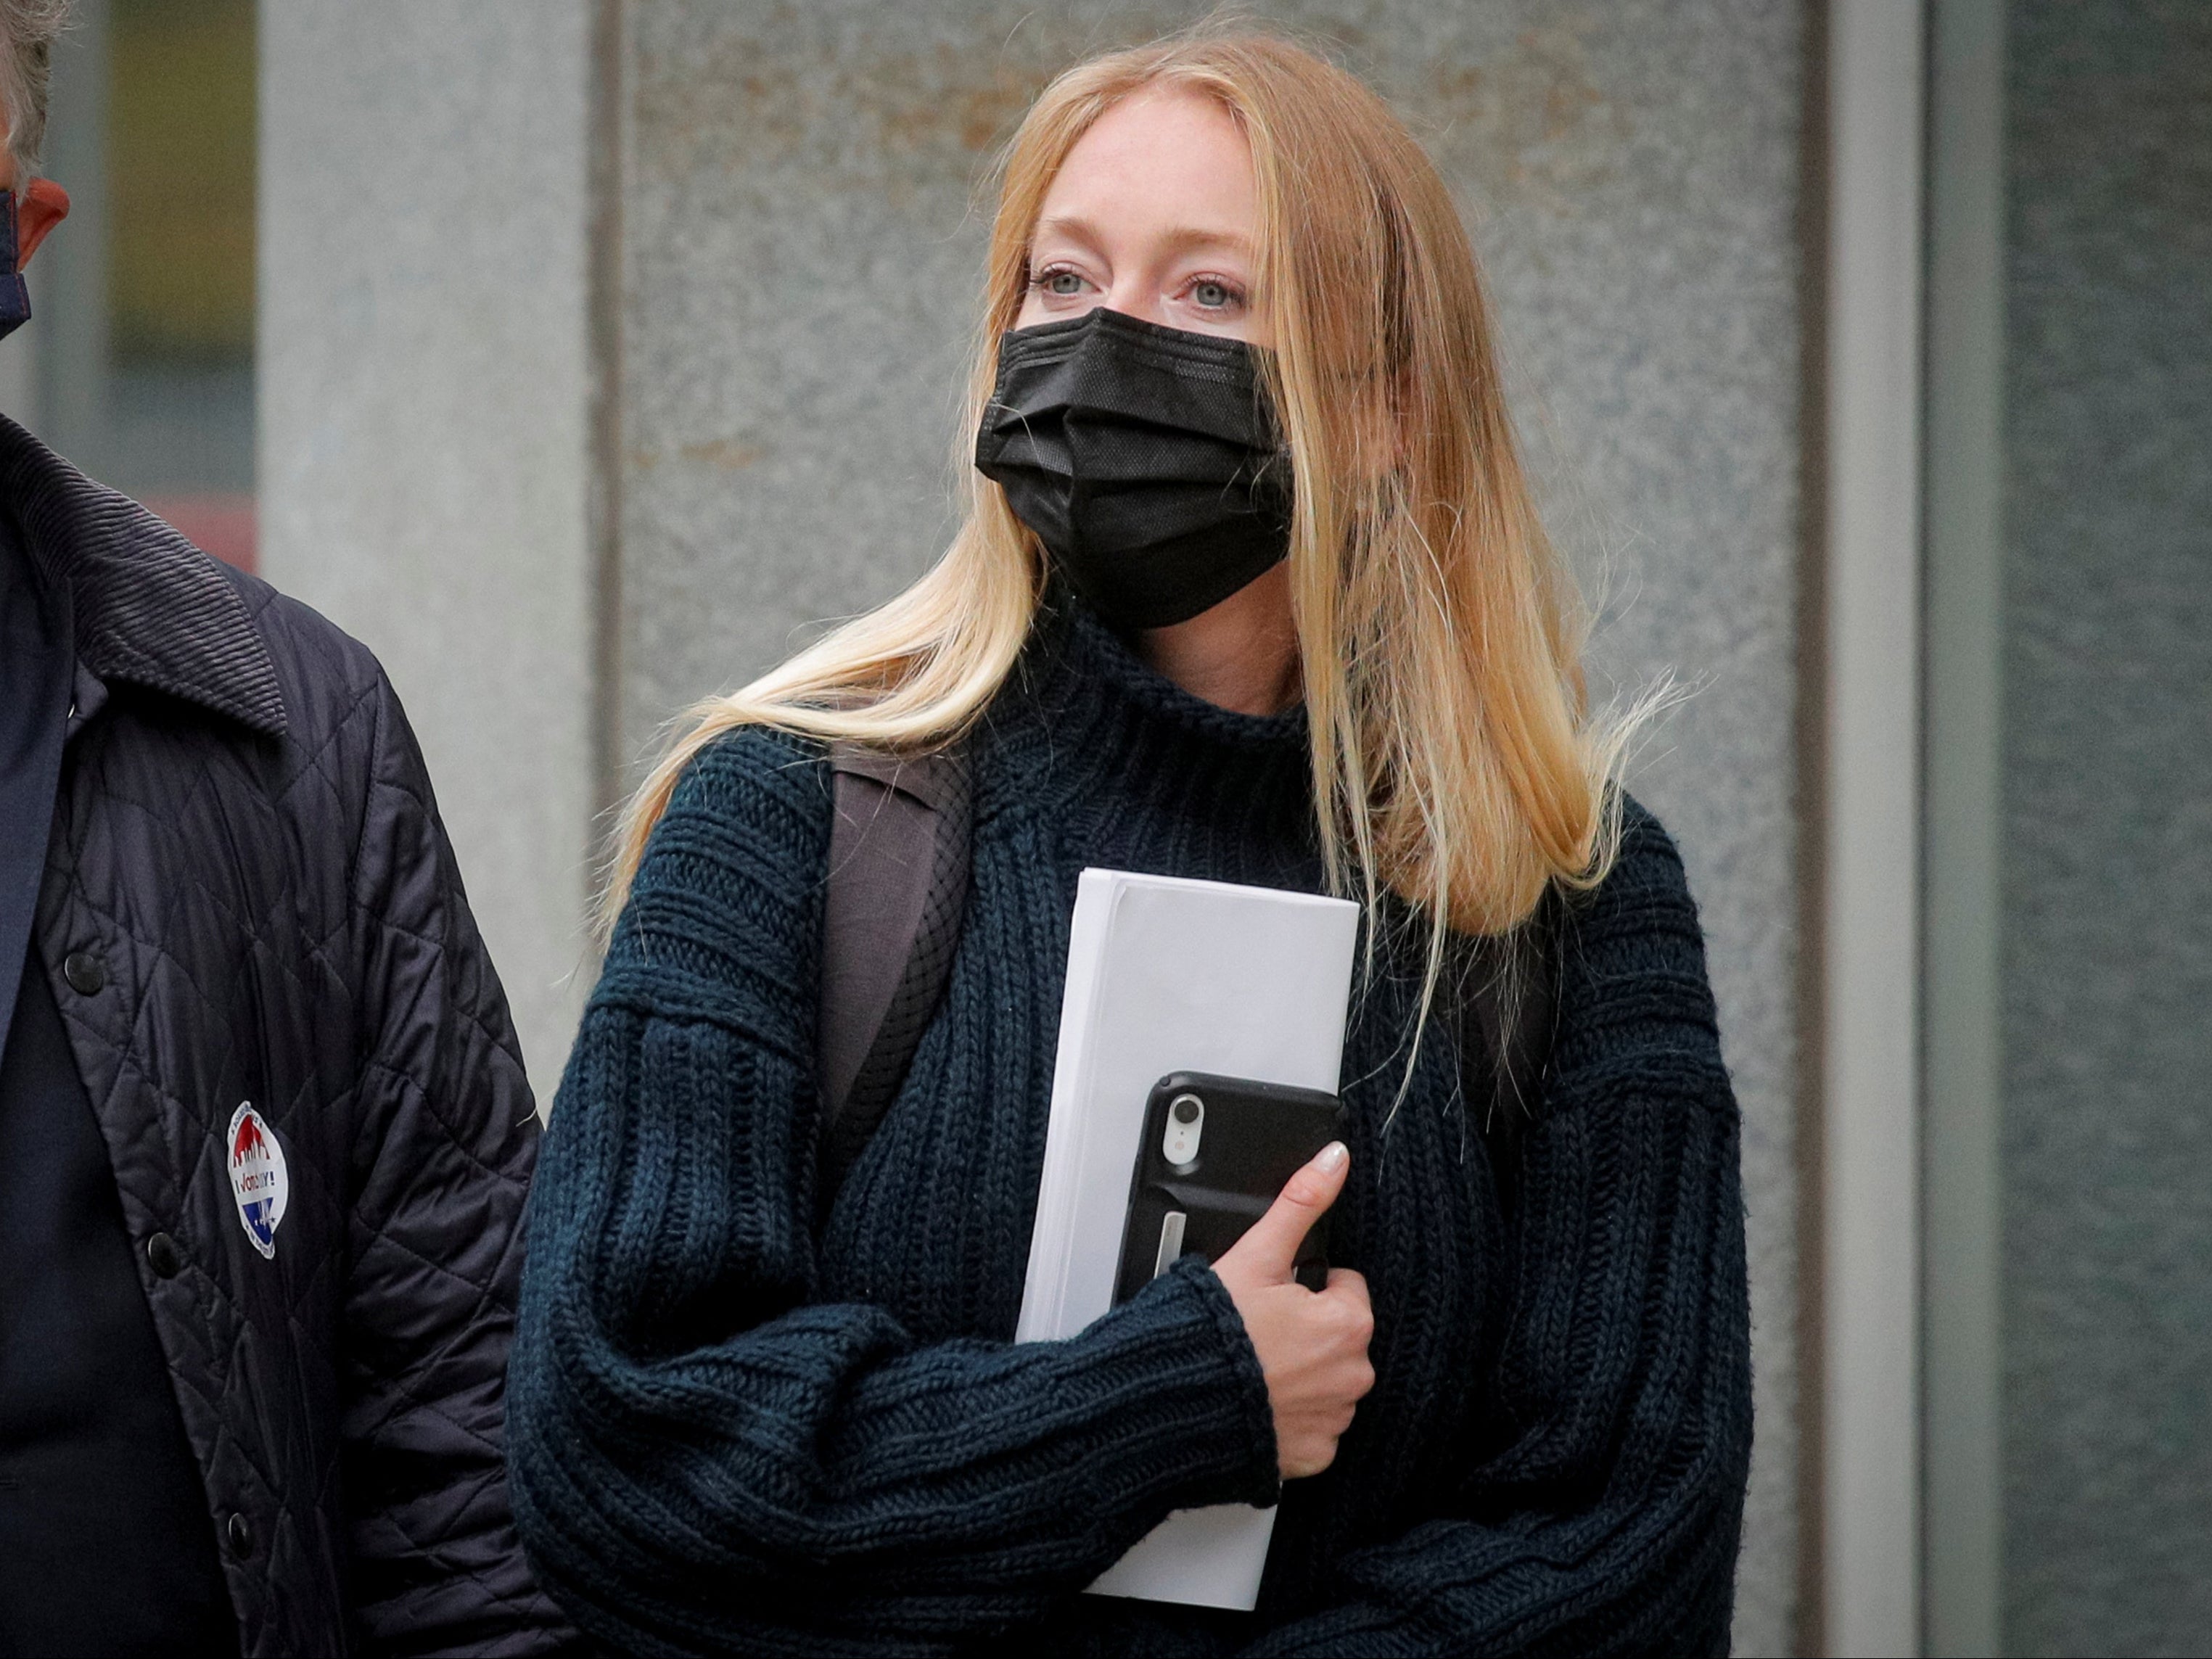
pixel 1330 1158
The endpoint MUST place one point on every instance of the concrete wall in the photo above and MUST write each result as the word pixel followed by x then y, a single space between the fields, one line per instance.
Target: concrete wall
pixel 2107 942
pixel 802 244
pixel 424 457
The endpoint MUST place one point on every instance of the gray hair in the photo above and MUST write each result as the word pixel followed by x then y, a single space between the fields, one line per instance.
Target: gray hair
pixel 28 29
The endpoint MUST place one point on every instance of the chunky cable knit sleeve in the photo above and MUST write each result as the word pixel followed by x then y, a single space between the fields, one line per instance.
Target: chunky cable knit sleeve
pixel 1605 1518
pixel 705 1458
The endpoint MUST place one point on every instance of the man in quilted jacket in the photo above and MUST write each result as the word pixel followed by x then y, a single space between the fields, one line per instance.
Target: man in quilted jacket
pixel 264 1134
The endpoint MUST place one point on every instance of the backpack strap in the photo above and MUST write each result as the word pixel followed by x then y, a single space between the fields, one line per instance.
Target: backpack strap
pixel 1507 1015
pixel 897 892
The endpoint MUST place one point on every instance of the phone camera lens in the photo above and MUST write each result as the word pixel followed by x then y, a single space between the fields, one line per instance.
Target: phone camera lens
pixel 1186 1125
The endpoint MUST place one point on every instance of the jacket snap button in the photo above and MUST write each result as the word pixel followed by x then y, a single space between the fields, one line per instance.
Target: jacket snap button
pixel 240 1531
pixel 84 973
pixel 162 1254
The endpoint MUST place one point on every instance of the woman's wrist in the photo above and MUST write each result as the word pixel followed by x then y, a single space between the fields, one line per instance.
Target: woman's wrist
pixel 1259 1413
pixel 1236 1429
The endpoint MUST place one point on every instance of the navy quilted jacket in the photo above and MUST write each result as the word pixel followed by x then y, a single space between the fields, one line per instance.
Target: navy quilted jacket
pixel 248 898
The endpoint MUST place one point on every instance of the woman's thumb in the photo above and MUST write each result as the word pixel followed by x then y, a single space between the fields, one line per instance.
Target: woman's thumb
pixel 1271 1245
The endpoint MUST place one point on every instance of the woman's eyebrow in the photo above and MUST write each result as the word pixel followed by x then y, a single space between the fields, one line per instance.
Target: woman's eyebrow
pixel 1192 240
pixel 1180 240
pixel 1070 227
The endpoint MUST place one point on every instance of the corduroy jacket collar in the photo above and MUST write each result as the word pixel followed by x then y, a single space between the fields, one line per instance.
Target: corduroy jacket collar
pixel 146 606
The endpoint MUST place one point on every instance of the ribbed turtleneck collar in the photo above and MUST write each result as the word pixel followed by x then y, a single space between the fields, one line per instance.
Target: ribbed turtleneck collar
pixel 1084 726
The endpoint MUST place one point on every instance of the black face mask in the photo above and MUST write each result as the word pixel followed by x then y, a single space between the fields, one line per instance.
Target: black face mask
pixel 1146 459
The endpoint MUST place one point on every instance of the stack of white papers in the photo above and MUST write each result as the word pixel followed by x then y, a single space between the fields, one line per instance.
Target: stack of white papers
pixel 1166 974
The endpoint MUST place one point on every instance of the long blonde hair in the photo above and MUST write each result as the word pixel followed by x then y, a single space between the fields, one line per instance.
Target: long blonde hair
pixel 1454 760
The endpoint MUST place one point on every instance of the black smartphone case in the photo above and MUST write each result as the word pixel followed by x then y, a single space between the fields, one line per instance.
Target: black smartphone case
pixel 1254 1137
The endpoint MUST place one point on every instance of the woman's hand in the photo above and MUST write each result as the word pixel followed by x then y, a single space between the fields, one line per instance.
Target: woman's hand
pixel 1312 1344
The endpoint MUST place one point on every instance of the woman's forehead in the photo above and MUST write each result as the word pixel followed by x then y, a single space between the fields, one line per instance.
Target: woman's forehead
pixel 1168 157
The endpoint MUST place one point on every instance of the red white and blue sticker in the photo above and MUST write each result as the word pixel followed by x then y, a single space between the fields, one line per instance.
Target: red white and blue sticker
pixel 258 1178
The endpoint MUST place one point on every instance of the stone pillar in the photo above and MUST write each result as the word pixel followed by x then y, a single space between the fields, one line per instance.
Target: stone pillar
pixel 425 456
pixel 2104 1226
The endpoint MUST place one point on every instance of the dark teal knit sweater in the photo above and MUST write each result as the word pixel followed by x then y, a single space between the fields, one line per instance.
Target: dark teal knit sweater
pixel 732 1433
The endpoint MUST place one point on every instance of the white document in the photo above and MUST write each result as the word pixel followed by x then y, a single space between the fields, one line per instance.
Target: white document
pixel 1166 974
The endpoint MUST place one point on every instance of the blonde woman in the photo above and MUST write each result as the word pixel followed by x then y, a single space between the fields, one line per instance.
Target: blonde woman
pixel 1249 588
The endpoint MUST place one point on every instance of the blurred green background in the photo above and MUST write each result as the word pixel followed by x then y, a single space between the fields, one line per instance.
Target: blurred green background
pixel 180 121
pixel 139 365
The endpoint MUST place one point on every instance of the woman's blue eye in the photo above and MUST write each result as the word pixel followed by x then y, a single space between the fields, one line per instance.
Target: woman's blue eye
pixel 1213 297
pixel 1065 283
